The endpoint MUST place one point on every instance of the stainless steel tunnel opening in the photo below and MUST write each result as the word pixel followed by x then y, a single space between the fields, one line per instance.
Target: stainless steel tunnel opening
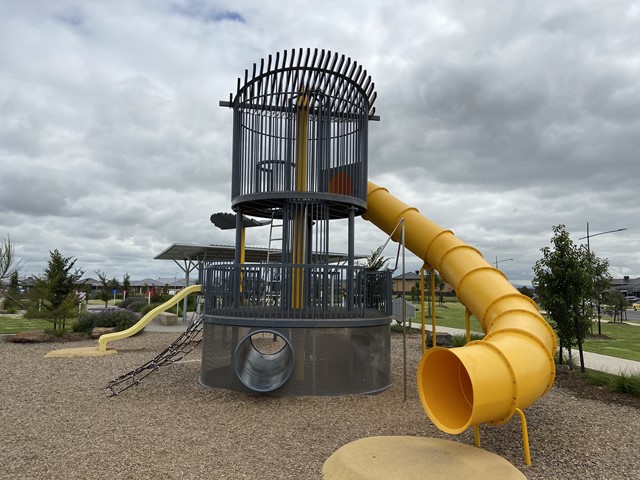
pixel 260 366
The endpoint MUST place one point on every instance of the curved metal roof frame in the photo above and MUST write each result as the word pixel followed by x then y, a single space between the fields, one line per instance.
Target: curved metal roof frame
pixel 321 73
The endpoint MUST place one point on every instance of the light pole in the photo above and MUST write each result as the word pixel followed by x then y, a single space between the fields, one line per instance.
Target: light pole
pixel 588 236
pixel 500 261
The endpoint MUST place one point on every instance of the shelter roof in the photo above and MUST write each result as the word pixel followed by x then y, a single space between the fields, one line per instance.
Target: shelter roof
pixel 212 253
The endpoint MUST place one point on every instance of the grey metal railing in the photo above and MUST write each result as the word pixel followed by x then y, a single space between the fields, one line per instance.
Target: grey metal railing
pixel 287 291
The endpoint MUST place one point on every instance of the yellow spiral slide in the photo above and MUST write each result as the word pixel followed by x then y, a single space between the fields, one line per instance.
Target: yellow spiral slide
pixel 487 380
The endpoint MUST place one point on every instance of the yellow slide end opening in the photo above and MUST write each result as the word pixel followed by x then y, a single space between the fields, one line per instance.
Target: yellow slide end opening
pixel 466 386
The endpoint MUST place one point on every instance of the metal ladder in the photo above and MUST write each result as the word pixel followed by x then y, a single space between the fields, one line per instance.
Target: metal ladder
pixel 272 226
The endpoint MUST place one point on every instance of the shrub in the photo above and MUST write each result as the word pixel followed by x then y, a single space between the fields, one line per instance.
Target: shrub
pixel 118 318
pixel 461 340
pixel 624 382
pixel 135 304
pixel 129 300
pixel 147 308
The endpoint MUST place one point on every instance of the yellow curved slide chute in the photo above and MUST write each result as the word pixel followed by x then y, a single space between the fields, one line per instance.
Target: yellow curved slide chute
pixel 487 380
pixel 144 321
pixel 110 337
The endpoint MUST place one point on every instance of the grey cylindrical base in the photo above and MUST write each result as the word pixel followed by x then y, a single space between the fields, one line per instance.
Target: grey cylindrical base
pixel 311 361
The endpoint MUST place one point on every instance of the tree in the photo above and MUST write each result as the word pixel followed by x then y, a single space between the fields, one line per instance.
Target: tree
pixel 415 292
pixel 524 290
pixel 55 291
pixel 126 284
pixel 440 288
pixel 8 264
pixel 114 286
pixel 376 261
pixel 600 285
pixel 9 268
pixel 104 291
pixel 108 286
pixel 563 283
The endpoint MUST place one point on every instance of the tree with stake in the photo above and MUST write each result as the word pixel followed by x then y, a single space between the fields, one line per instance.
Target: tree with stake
pixel 55 292
pixel 105 293
pixel 562 281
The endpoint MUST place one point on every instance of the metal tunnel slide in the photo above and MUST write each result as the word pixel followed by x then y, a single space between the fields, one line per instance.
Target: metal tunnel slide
pixel 486 380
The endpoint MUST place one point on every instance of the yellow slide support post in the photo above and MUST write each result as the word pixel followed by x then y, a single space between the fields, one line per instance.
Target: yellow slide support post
pixel 110 337
pixel 485 381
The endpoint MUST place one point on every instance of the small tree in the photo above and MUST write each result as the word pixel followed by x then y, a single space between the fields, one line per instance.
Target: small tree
pixel 126 284
pixel 415 292
pixel 524 290
pixel 107 287
pixel 55 291
pixel 600 285
pixel 563 283
pixel 376 261
pixel 114 285
pixel 9 268
pixel 104 293
pixel 440 287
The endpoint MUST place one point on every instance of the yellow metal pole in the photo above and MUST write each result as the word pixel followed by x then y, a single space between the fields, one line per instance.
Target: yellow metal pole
pixel 525 437
pixel 242 258
pixel 423 333
pixel 300 226
pixel 476 435
pixel 467 321
pixel 433 306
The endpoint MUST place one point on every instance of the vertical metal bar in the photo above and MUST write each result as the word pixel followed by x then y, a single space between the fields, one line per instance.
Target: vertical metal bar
pixel 404 315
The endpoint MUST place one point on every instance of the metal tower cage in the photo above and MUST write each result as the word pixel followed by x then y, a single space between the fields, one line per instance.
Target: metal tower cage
pixel 300 141
pixel 300 130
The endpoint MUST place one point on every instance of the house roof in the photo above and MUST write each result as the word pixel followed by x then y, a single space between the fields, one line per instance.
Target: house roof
pixel 411 276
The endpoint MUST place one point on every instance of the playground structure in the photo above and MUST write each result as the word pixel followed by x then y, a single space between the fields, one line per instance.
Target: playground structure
pixel 300 326
pixel 303 326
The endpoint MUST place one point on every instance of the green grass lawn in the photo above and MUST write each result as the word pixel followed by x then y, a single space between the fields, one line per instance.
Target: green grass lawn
pixel 14 324
pixel 450 315
pixel 619 340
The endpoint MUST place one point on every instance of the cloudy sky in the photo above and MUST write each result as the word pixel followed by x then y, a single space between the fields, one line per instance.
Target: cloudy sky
pixel 499 120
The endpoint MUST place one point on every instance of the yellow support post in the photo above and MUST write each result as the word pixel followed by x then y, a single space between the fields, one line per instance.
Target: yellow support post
pixel 423 333
pixel 432 274
pixel 525 437
pixel 300 223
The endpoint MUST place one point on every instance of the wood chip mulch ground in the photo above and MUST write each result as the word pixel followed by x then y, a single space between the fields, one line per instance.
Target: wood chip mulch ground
pixel 58 423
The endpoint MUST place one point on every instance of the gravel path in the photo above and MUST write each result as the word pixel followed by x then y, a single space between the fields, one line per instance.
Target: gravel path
pixel 58 423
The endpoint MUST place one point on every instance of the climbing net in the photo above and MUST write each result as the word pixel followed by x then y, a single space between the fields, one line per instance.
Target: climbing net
pixel 179 349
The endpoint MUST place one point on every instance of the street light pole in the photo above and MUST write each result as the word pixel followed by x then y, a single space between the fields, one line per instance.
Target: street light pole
pixel 503 260
pixel 598 306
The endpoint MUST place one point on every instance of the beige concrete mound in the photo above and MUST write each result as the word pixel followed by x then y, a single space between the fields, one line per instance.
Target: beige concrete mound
pixel 80 352
pixel 409 458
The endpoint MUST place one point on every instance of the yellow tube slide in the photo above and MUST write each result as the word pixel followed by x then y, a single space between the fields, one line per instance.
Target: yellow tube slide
pixel 110 337
pixel 486 380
